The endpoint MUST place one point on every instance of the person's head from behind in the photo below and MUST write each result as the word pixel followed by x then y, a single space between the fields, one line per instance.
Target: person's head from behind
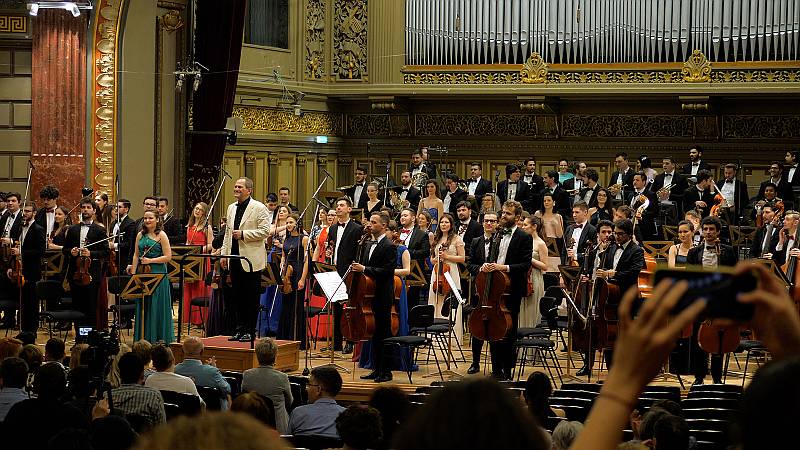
pixel 669 406
pixel 112 433
pixel 13 373
pixel 476 414
pixel 54 350
pixel 393 405
pixel 144 349
pixel 79 382
pixel 163 359
pixel 537 394
pixel 565 434
pixel 266 351
pixel 649 420
pixel 193 347
pixel 131 369
pixel 32 355
pixel 75 355
pixel 257 406
pixel 211 431
pixel 671 433
pixel 50 382
pixel 359 427
pixel 324 382
pixel 9 347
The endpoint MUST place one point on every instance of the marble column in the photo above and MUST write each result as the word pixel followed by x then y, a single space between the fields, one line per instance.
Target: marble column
pixel 58 104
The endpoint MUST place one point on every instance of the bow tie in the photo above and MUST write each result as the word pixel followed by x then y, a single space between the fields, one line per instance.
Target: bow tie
pixel 342 224
pixel 728 181
pixel 404 189
pixel 371 243
pixel 406 230
pixel 473 180
pixel 579 225
pixel 50 210
pixel 505 231
pixel 695 164
pixel 84 224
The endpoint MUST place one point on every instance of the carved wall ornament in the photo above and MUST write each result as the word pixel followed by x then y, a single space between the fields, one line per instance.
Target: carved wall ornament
pixel 301 160
pixel 516 125
pixel 315 39
pixel 697 69
pixel 761 126
pixel 322 160
pixel 368 125
pixel 171 21
pixel 350 39
pixel 273 159
pixel 255 118
pixel 534 71
pixel 627 126
pixel 14 24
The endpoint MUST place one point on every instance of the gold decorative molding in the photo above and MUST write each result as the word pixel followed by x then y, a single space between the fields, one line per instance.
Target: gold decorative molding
pixel 534 71
pixel 761 127
pixel 697 69
pixel 322 160
pixel 273 159
pixel 104 89
pixel 515 125
pixel 315 40
pixel 13 24
pixel 350 39
pixel 171 21
pixel 627 126
pixel 256 118
pixel 301 160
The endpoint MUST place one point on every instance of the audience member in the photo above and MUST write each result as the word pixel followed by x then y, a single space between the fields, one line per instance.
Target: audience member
pixel 26 337
pixel 206 375
pixel 80 391
pixel 35 420
pixel 359 427
pixel 112 433
pixel 9 347
pixel 477 414
pixel 165 378
pixel 257 406
pixel 76 355
pixel 54 351
pixel 113 377
pixel 632 445
pixel 565 434
pixel 669 406
pixel 33 358
pixel 537 396
pixel 13 376
pixel 212 431
pixel 143 348
pixel 648 425
pixel 70 439
pixel 671 433
pixel 132 397
pixel 269 382
pixel 394 406
pixel 319 416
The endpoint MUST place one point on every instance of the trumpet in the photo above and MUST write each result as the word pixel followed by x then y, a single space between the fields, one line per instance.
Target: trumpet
pixel 665 191
pixel 616 188
pixel 419 180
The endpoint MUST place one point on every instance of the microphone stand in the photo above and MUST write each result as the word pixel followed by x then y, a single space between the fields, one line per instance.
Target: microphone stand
pixel 386 182
pixel 24 203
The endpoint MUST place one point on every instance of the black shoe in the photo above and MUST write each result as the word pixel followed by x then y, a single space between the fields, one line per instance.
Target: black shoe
pixel 370 376
pixel 717 381
pixel 697 382
pixel 246 337
pixel 585 371
pixel 348 348
pixel 235 337
pixel 473 369
pixel 384 378
pixel 498 376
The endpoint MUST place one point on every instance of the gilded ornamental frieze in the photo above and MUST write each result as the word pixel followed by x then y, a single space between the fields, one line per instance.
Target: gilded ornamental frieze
pixel 627 126
pixel 350 39
pixel 514 125
pixel 315 40
pixel 255 118
pixel 761 127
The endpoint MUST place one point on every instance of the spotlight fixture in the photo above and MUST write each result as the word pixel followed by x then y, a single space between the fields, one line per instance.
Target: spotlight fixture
pixel 190 70
pixel 197 80
pixel 179 82
pixel 73 7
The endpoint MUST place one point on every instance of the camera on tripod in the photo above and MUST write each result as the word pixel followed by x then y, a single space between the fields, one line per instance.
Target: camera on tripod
pixel 103 347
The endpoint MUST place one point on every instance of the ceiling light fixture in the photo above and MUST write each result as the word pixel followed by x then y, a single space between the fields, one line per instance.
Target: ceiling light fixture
pixel 73 7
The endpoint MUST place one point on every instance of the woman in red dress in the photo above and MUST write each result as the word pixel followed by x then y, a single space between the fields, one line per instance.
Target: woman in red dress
pixel 198 233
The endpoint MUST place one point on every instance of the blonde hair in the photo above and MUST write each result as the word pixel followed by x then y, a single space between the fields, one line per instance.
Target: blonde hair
pixel 202 222
pixel 113 375
pixel 231 431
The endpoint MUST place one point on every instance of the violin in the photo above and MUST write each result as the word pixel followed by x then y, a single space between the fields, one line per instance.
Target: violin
pixel 719 201
pixel 81 276
pixel 574 260
pixel 358 320
pixel 16 275
pixel 440 284
pixel 287 288
pixel 491 319
pixel 112 262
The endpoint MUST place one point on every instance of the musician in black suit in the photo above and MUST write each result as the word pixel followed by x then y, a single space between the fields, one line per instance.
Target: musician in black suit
pixel 646 219
pixel 535 185
pixel 343 237
pixel 580 234
pixel 575 186
pixel 378 262
pixel 621 181
pixel 452 195
pixel 766 238
pixel 172 224
pixel 419 248
pixel 467 227
pixel 34 243
pixel 358 191
pixel 783 189
pixel 283 196
pixel 695 164
pixel 710 254
pixel 790 171
pixel 560 196
pixel 677 183
pixel 46 215
pixel 12 219
pixel 477 186
pixel 735 193
pixel 122 224
pixel 420 165
pixel 514 258
pixel 788 244
pixel 78 237
pixel 513 188
pixel 479 249
pixel 699 197
pixel 407 192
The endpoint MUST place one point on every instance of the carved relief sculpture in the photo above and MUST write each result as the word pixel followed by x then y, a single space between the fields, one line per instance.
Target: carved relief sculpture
pixel 697 69
pixel 315 39
pixel 350 39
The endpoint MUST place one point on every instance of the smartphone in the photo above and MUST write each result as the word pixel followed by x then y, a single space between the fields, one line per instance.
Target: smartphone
pixel 719 287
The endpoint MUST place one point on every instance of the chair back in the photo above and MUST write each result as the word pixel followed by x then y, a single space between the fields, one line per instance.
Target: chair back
pixel 421 316
pixel 212 396
pixel 314 442
pixel 188 404
pixel 548 307
pixel 50 291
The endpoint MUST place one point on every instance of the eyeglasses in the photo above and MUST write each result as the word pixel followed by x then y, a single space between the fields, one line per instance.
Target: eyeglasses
pixel 489 220
pixel 150 204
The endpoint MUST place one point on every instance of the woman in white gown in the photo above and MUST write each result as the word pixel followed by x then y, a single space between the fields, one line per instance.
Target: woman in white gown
pixel 529 315
pixel 447 245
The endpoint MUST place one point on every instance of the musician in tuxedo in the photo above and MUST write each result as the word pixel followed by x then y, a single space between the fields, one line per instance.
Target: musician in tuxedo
pixel 575 185
pixel 172 227
pixel 621 181
pixel 579 235
pixel 378 262
pixel 343 237
pixel 787 245
pixel 419 247
pixel 589 266
pixel 122 224
pixel 479 249
pixel 710 254
pixel 766 238
pixel 646 218
pixel 695 164
pixel 150 203
pixel 735 193
pixel 790 171
pixel 272 207
pixel 699 197
pixel 452 194
pixel 467 227
pixel 477 186
pixel 513 188
pixel 244 236
pixel 358 191
pixel 677 183
pixel 283 196
pixel 782 187
pixel 420 165
pixel 12 219
pixel 515 248
pixel 560 196
pixel 46 215
pixel 33 244
pixel 535 185
pixel 78 237
pixel 407 192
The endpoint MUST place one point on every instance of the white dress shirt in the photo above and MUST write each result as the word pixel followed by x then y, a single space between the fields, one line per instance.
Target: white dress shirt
pixel 9 223
pixel 505 242
pixel 170 381
pixel 728 191
pixel 618 254
pixel 695 167
pixel 446 202
pixel 473 184
pixel 710 257
pixel 84 233
pixel 357 194
pixel 339 234
pixel 576 236
pixel 51 221
pixel 372 247
pixel 791 172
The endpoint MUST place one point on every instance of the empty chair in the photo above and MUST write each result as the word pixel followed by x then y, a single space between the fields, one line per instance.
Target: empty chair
pixel 420 321
pixel 573 412
pixel 188 404
pixel 234 380
pixel 313 442
pixel 717 388
pixel 428 389
pixel 709 413
pixel 708 424
pixel 588 395
pixel 418 397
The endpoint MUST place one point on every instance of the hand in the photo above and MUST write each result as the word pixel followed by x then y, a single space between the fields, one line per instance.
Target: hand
pixel 486 267
pixel 144 260
pixel 767 256
pixel 663 196
pixel 648 339
pixel 237 234
pixel 212 361
pixel 100 409
pixel 636 421
pixel 794 252
pixel 584 278
pixel 74 251
pixel 129 269
pixel 85 252
pixel 7 241
pixel 700 204
pixel 223 263
pixel 570 253
pixel 775 318
pixel 610 273
pixel 357 267
pixel 15 251
pixel 638 215
pixel 301 284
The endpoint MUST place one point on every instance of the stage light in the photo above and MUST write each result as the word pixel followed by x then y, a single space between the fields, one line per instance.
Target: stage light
pixel 321 139
pixel 73 7
pixel 33 9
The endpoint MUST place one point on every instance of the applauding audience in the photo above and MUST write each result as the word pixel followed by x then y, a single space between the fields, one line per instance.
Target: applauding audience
pixel 318 418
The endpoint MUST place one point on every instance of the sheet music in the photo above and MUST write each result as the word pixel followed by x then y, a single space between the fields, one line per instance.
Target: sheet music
pixel 453 288
pixel 329 282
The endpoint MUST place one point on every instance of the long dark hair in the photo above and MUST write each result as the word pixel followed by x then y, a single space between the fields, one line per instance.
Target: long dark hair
pixel 157 228
pixel 537 395
pixel 438 235
pixel 607 206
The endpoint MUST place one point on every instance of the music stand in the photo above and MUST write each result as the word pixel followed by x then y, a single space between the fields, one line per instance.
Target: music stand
pixel 140 286
pixel 570 275
pixel 321 267
pixel 52 263
pixel 416 278
pixel 193 270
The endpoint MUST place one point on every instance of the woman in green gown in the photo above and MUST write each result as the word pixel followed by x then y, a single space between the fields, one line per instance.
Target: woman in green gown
pixel 152 250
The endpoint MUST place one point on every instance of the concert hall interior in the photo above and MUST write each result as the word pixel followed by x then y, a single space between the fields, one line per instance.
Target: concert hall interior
pixel 433 211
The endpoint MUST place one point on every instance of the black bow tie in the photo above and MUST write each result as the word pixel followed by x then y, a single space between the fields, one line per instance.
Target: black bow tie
pixel 83 224
pixel 473 180
pixel 505 231
pixel 405 189
pixel 579 225
pixel 342 224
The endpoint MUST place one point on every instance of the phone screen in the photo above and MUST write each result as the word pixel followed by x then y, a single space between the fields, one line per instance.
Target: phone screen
pixel 719 287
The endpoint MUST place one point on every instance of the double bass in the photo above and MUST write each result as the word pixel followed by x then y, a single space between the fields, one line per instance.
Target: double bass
pixel 491 320
pixel 358 320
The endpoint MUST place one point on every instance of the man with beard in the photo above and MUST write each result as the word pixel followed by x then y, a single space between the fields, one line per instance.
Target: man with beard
pixel 479 248
pixel 407 193
pixel 32 246
pixel 695 165
pixel 419 247
pixel 170 223
pixel 358 191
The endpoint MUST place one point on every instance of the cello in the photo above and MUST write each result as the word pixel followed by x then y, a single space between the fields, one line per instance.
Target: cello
pixel 491 320
pixel 395 314
pixel 358 320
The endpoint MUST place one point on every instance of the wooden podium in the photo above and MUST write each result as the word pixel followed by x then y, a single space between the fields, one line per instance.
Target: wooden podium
pixel 138 287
